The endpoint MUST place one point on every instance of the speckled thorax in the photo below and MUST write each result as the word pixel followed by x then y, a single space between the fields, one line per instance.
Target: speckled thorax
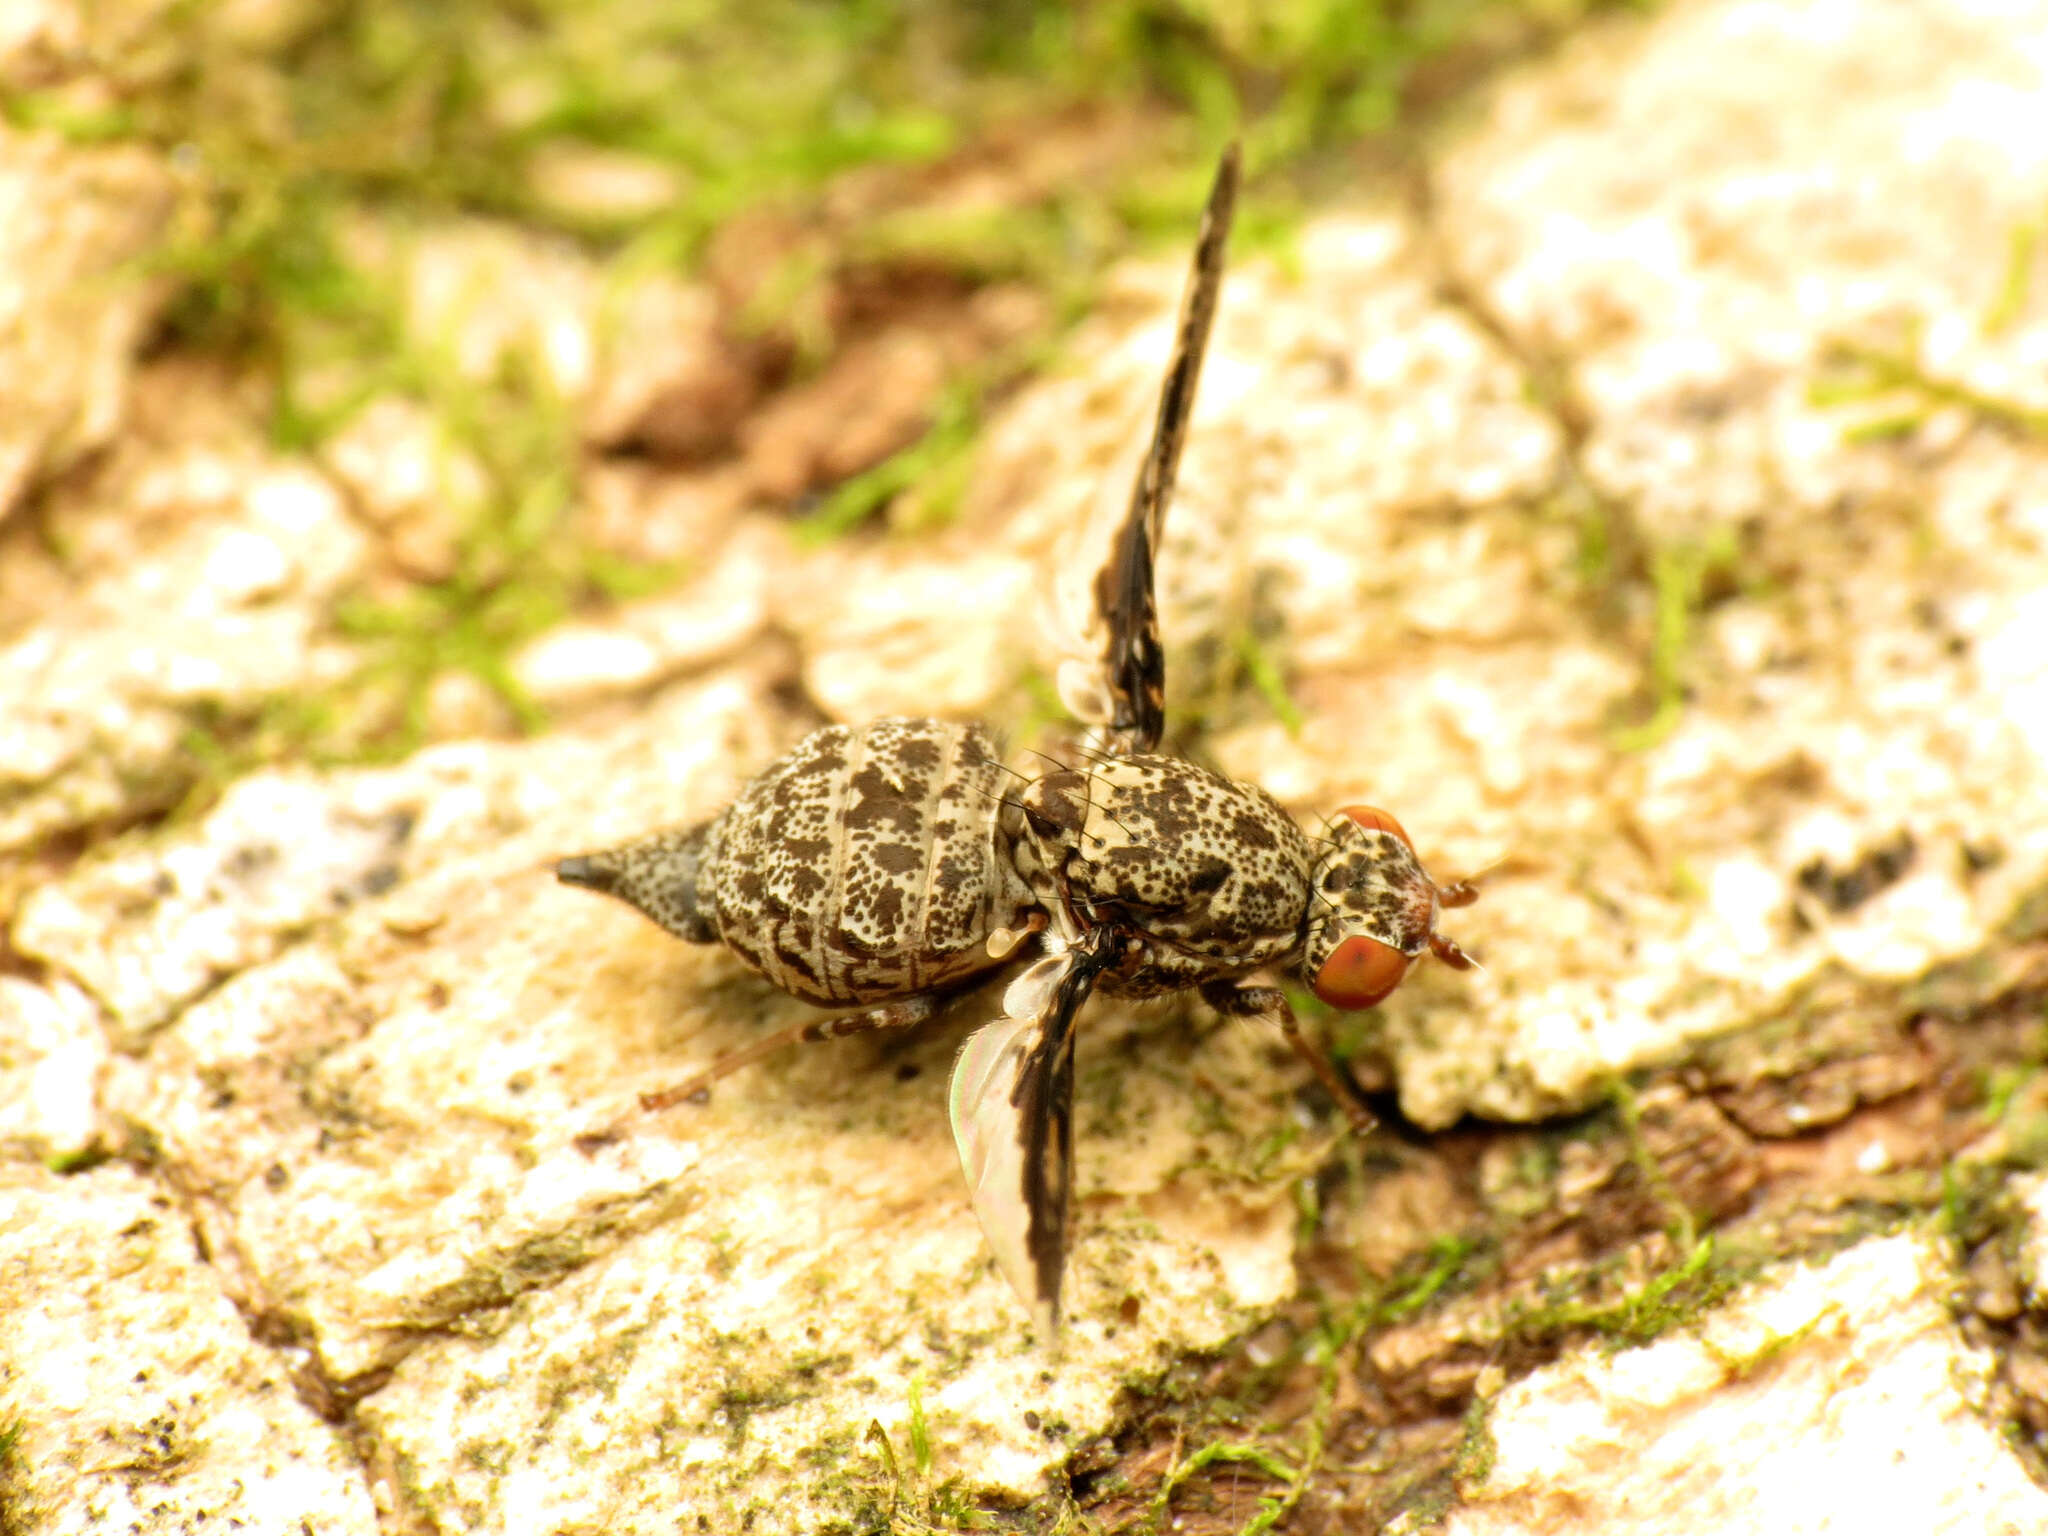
pixel 1210 877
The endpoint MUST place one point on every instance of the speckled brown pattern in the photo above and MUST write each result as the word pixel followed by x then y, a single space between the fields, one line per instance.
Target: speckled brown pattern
pixel 1368 883
pixel 864 866
pixel 657 873
pixel 1209 875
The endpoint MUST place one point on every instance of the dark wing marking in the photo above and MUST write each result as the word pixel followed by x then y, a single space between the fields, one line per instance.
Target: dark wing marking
pixel 1134 665
pixel 1012 1106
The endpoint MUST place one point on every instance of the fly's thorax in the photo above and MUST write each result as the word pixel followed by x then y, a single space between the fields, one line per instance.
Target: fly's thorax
pixel 1211 869
pixel 1373 909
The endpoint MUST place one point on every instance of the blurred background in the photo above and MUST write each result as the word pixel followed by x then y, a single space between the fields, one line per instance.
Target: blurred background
pixel 805 246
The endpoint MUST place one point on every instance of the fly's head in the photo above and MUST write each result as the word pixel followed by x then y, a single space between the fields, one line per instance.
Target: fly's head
pixel 1372 910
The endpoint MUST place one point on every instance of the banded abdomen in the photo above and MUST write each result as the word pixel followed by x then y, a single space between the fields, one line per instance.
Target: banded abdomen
pixel 865 865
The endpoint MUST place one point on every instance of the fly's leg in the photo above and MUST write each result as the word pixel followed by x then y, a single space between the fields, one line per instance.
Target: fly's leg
pixel 1235 1000
pixel 906 1014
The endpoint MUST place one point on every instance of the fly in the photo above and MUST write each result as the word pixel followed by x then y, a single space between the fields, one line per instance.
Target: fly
pixel 881 870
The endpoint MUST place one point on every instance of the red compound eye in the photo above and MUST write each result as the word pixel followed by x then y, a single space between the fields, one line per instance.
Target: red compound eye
pixel 1373 819
pixel 1361 971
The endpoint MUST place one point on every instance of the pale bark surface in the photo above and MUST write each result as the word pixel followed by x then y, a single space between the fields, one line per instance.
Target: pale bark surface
pixel 350 1269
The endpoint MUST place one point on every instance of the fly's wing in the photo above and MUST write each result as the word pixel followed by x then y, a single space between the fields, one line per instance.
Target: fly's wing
pixel 1121 689
pixel 1012 1106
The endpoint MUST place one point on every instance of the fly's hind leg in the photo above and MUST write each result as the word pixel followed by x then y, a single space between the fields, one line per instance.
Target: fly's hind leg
pixel 906 1014
pixel 1235 1000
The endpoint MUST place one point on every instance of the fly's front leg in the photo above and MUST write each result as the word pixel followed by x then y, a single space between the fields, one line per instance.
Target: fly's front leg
pixel 1236 1000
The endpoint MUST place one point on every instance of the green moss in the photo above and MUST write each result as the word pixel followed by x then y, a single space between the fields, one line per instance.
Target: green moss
pixel 1264 675
pixel 735 1406
pixel 79 122
pixel 920 1431
pixel 2023 245
pixel 18 1515
pixel 1477 1450
pixel 903 1498
pixel 1857 374
pixel 1974 1202
pixel 492 1456
pixel 1447 1263
pixel 1222 1452
pixel 2028 921
pixel 1332 1346
pixel 1887 426
pixel 1686 885
pixel 410 111
pixel 1594 530
pixel 1684 1226
pixel 1682 574
pixel 79 1160
pixel 1999 1086
pixel 1668 1300
pixel 2027 1141
pixel 936 466
pixel 1741 1366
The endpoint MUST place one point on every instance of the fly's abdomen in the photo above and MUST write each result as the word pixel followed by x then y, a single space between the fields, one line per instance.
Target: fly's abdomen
pixel 864 866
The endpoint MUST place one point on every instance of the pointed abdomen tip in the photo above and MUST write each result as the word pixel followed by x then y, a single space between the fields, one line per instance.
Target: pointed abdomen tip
pixel 581 870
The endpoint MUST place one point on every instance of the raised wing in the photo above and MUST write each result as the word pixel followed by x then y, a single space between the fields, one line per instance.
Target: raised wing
pixel 1012 1105
pixel 1122 690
